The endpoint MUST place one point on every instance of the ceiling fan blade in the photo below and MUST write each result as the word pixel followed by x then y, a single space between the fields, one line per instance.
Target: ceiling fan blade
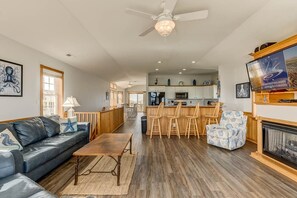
pixel 192 16
pixel 148 30
pixel 169 5
pixel 140 13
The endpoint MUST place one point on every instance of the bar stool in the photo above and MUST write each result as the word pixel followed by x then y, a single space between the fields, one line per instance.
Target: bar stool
pixel 192 121
pixel 157 118
pixel 173 122
pixel 212 118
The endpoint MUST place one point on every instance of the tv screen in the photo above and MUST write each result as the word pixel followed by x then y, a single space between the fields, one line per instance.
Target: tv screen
pixel 276 71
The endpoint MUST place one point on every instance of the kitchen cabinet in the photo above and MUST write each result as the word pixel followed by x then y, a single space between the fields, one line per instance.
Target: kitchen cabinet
pixel 192 92
pixel 181 89
pixel 210 91
pixel 170 92
pixel 156 89
pixel 199 92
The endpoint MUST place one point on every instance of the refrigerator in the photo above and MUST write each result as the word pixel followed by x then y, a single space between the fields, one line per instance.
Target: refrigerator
pixel 155 98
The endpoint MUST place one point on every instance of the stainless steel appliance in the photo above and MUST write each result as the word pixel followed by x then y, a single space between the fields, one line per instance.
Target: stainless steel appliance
pixel 155 98
pixel 181 95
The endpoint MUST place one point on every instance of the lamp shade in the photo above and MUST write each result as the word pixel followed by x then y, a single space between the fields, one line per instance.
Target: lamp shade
pixel 71 102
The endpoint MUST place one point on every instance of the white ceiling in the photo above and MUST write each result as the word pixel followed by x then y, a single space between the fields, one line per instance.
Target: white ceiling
pixel 103 38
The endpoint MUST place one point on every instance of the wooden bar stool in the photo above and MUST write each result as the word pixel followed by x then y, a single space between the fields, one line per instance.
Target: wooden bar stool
pixel 173 122
pixel 157 118
pixel 192 121
pixel 212 118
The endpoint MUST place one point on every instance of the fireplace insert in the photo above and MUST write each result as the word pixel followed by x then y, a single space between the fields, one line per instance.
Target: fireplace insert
pixel 280 142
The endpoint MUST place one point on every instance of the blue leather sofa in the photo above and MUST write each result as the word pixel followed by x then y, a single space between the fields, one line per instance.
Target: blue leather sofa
pixel 16 185
pixel 44 148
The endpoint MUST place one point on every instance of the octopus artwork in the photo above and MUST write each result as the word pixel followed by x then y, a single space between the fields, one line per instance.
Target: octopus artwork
pixel 10 79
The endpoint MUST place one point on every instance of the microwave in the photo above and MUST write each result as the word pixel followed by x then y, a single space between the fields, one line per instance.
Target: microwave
pixel 181 95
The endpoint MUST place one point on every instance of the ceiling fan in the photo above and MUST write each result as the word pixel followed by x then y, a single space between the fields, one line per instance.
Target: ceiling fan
pixel 164 22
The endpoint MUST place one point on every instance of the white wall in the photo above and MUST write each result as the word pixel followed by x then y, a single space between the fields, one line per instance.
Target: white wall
pixel 87 88
pixel 230 75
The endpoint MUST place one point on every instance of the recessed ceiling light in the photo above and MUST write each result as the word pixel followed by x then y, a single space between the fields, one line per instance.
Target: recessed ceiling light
pixel 184 69
pixel 193 62
pixel 159 62
pixel 180 73
pixel 157 69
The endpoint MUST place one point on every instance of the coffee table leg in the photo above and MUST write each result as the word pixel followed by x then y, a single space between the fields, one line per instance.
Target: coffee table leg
pixel 131 145
pixel 76 171
pixel 119 170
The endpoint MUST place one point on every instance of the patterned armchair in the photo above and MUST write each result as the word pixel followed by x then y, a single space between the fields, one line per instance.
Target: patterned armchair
pixel 230 133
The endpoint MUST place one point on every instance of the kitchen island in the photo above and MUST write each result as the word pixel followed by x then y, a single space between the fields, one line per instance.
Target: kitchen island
pixel 185 111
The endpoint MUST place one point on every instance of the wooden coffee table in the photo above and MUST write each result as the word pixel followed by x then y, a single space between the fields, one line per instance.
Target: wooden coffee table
pixel 108 144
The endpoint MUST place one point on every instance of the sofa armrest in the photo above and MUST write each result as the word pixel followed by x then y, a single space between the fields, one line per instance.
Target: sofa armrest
pixel 84 126
pixel 18 160
pixel 7 164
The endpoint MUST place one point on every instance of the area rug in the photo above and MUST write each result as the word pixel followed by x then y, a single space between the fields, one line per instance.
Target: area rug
pixel 102 183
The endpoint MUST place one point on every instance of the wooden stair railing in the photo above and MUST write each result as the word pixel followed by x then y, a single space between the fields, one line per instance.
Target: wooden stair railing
pixel 93 118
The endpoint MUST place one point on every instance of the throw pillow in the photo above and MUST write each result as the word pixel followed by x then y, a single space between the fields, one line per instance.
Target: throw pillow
pixel 8 141
pixel 30 131
pixel 52 128
pixel 68 124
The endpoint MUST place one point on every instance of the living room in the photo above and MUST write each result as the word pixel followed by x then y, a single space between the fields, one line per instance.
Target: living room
pixel 111 57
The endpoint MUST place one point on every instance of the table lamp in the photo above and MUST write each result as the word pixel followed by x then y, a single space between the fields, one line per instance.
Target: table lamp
pixel 71 102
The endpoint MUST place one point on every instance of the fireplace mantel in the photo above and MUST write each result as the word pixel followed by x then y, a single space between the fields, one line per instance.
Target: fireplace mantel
pixel 272 163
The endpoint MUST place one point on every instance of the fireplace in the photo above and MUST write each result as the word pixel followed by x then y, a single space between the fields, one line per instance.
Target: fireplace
pixel 280 142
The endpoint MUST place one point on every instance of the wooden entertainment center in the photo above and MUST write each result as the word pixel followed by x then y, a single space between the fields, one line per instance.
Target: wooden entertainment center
pixel 281 98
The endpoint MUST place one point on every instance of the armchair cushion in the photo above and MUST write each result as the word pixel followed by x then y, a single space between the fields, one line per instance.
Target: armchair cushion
pixel 30 131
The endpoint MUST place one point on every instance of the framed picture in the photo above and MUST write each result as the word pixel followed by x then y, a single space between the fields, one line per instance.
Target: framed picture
pixel 11 79
pixel 243 90
pixel 107 95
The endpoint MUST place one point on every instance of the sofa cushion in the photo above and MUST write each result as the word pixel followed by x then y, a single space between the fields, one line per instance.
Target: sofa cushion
pixel 64 141
pixel 7 164
pixel 35 155
pixel 30 131
pixel 18 185
pixel 52 128
pixel 8 141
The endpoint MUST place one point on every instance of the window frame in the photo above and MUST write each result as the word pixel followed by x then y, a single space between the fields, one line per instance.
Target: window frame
pixel 42 68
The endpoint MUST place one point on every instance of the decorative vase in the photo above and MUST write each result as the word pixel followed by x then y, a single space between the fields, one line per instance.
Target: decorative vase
pixel 168 82
pixel 194 82
pixel 156 82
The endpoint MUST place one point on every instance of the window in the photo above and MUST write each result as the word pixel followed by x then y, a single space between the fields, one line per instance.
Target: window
pixel 136 99
pixel 120 97
pixel 51 91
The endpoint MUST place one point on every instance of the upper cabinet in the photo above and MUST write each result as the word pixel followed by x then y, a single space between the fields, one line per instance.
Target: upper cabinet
pixel 194 92
pixel 210 91
pixel 156 89
pixel 170 92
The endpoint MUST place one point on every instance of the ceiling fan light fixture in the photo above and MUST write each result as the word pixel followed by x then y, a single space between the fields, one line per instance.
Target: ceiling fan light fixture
pixel 165 27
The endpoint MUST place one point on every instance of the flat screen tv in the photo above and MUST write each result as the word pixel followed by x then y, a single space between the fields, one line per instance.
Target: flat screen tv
pixel 277 71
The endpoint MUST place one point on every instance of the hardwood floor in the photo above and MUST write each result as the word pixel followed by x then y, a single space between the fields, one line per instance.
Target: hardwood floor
pixel 189 168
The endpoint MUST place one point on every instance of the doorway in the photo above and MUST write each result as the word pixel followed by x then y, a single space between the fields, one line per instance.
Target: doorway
pixel 136 99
